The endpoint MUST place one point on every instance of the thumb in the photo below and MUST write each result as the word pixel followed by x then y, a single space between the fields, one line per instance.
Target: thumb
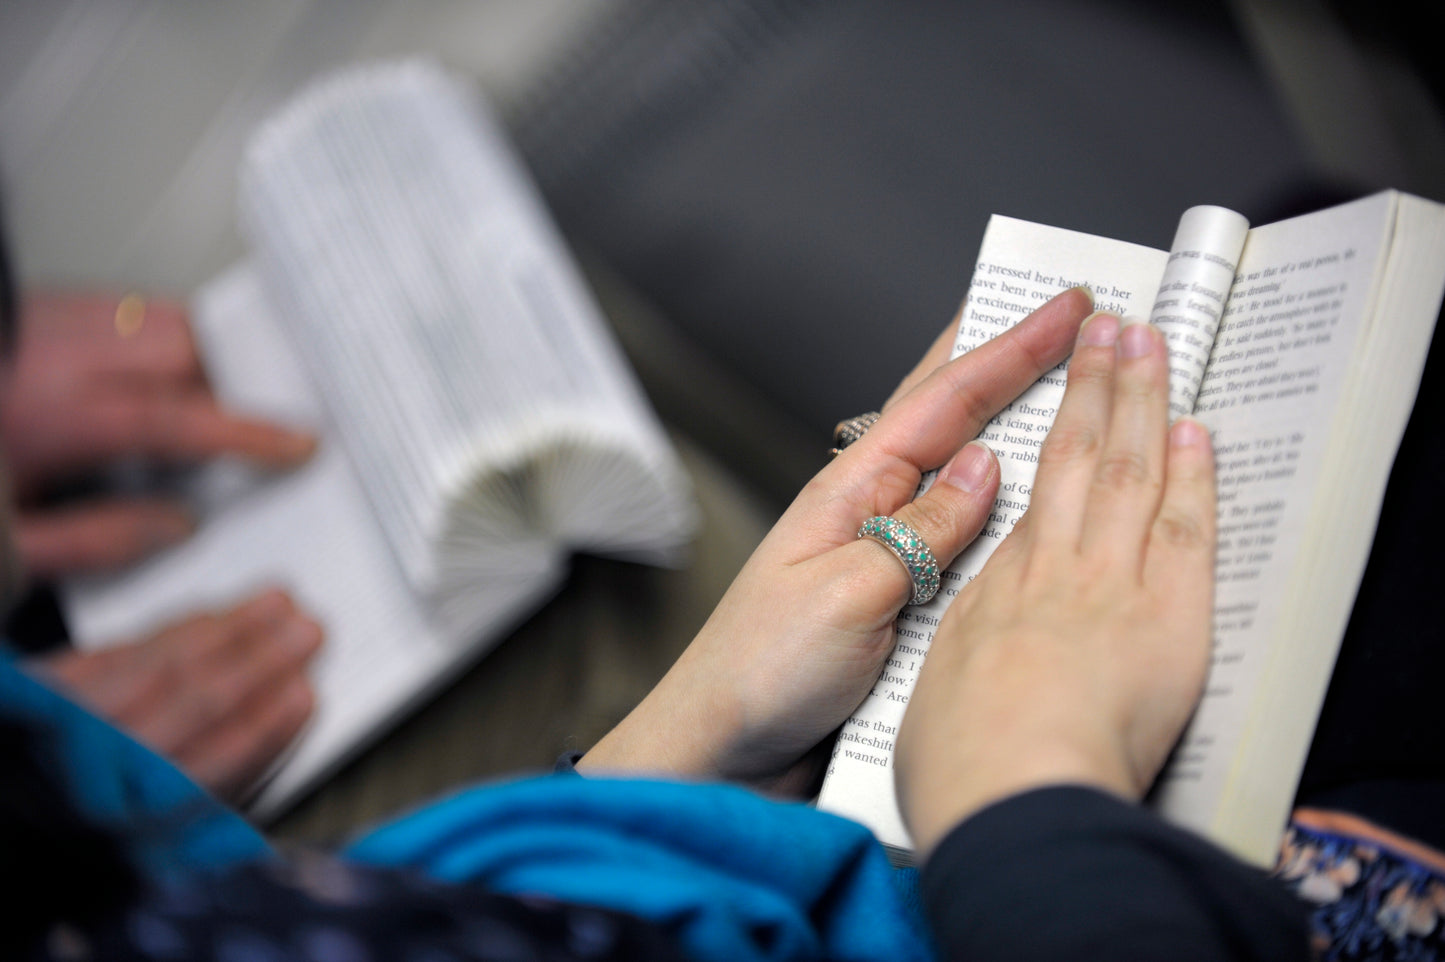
pixel 97 535
pixel 947 518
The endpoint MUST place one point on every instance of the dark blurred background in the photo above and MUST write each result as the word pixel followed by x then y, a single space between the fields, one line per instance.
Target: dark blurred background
pixel 800 187
pixel 795 188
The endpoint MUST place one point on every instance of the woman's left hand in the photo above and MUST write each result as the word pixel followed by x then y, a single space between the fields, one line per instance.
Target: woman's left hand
pixel 800 637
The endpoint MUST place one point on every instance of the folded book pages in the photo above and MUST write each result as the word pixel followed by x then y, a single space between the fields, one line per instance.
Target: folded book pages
pixel 406 296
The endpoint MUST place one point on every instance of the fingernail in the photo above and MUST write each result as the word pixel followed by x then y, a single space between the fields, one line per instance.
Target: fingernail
pixel 295 447
pixel 1189 433
pixel 1099 330
pixel 1077 288
pixel 970 468
pixel 1137 338
pixel 271 605
pixel 301 635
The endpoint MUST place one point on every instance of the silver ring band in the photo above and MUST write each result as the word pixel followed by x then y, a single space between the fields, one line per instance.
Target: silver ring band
pixel 911 549
pixel 846 432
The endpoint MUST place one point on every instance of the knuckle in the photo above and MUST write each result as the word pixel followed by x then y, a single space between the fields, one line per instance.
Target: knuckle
pixel 203 707
pixel 1091 366
pixel 1069 443
pixel 173 672
pixel 1144 391
pixel 895 481
pixel 931 517
pixel 977 405
pixel 1181 531
pixel 299 703
pixel 205 624
pixel 1123 469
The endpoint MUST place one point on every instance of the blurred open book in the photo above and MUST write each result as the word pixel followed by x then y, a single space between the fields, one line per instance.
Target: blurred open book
pixel 407 297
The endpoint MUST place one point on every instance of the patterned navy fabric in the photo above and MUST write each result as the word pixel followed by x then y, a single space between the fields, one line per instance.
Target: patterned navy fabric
pixel 315 907
pixel 1372 897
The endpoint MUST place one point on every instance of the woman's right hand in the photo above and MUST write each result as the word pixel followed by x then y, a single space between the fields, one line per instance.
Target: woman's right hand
pixel 1079 652
pixel 800 637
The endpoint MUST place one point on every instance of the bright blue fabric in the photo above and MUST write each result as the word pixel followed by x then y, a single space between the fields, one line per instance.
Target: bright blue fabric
pixel 733 875
pixel 171 825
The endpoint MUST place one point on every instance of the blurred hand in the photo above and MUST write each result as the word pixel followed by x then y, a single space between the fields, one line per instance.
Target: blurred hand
pixel 800 637
pixel 1079 652
pixel 221 694
pixel 88 388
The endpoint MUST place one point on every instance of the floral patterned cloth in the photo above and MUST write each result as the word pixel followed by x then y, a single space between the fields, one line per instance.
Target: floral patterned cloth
pixel 1376 895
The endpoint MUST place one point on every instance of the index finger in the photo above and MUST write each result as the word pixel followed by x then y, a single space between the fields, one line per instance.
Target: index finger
pixel 941 351
pixel 187 427
pixel 950 406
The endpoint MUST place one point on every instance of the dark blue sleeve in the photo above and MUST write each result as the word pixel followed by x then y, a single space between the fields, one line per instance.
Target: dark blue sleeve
pixel 1074 873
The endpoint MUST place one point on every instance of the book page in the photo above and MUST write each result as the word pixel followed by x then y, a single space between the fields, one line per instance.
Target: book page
pixel 1192 293
pixel 1306 395
pixel 1020 266
pixel 1376 403
pixel 440 316
pixel 312 532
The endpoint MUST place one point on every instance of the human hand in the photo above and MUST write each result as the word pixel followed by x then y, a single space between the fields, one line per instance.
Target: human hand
pixel 800 637
pixel 1079 652
pixel 221 694
pixel 89 388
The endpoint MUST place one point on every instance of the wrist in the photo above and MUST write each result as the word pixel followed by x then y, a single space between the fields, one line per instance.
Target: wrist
pixel 945 774
pixel 668 735
pixel 936 801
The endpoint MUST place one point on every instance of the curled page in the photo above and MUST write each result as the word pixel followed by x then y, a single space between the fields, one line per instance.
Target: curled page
pixel 1192 293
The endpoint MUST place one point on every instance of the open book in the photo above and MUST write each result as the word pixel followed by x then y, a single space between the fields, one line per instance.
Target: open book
pixel 1300 345
pixel 408 298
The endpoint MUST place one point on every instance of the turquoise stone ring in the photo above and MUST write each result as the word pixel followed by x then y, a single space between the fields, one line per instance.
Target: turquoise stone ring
pixel 910 549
